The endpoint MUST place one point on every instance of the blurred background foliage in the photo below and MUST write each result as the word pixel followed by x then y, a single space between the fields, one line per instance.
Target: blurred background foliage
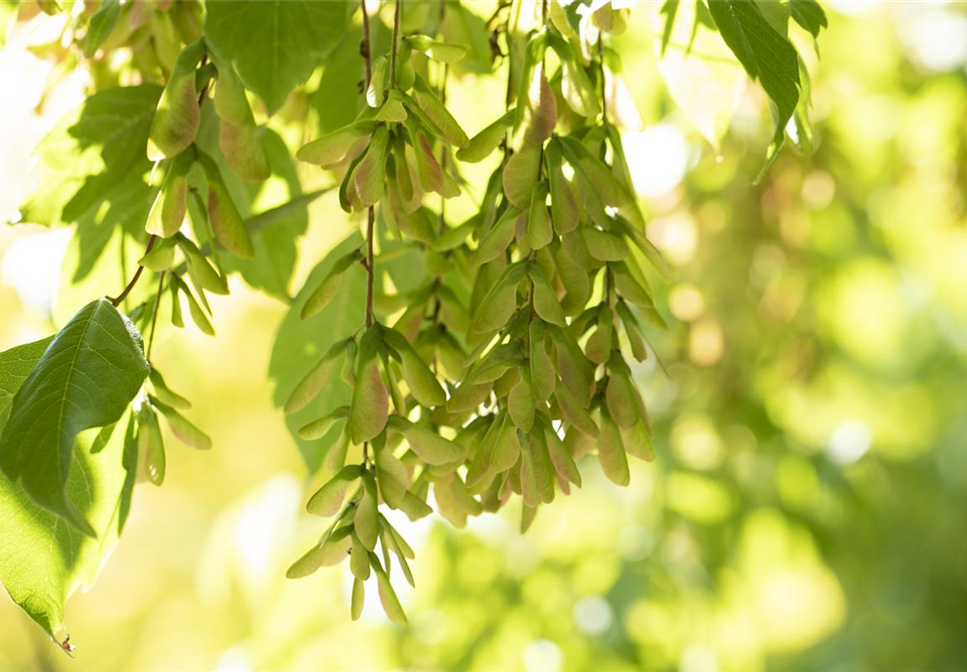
pixel 806 508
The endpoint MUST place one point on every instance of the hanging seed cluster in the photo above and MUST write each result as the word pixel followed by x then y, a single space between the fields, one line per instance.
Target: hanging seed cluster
pixel 500 396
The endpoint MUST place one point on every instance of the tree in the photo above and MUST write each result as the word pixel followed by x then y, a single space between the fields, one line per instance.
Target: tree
pixel 500 355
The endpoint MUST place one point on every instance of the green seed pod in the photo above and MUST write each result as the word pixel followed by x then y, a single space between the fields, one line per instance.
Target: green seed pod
pixel 183 430
pixel 370 405
pixel 359 559
pixel 370 173
pixel 604 246
pixel 328 500
pixel 318 428
pixel 366 521
pixel 620 397
pixel 202 273
pixel 560 456
pixel 602 181
pixel 611 451
pixel 164 393
pixel 178 116
pixel 496 241
pixel 324 293
pixel 392 110
pixel 335 147
pixel 244 151
pixel 315 379
pixel 387 597
pixel 500 302
pixel 564 207
pixel 177 318
pixel 358 599
pixel 405 76
pixel 414 507
pixel 391 476
pixel 151 447
pixel 543 377
pixel 444 52
pixel 486 141
pixel 633 330
pixel 520 403
pixel 170 206
pixel 539 230
pixel 431 175
pixel 520 176
pixel 432 448
pixel 226 222
pixel 330 552
pixel 637 441
pixel 438 113
pixel 573 412
pixel 160 258
pixel 545 300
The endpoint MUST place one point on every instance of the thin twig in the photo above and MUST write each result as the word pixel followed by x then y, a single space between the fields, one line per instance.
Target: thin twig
pixel 366 52
pixel 154 314
pixel 116 301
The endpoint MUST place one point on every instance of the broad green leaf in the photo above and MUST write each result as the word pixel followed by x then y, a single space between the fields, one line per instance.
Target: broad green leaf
pixel 300 343
pixel 328 500
pixel 86 378
pixel 700 73
pixel 91 170
pixel 43 560
pixel 275 44
pixel 808 14
pixel 101 24
pixel 764 53
pixel 178 116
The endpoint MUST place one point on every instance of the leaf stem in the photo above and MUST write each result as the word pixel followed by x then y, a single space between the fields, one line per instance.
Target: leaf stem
pixel 116 301
pixel 366 51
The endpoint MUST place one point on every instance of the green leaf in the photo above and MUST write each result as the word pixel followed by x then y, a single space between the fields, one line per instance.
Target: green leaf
pixel 764 53
pixel 300 343
pixel 668 10
pixel 43 560
pixel 86 378
pixel 178 116
pixel 275 44
pixel 91 170
pixel 808 14
pixel 101 24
